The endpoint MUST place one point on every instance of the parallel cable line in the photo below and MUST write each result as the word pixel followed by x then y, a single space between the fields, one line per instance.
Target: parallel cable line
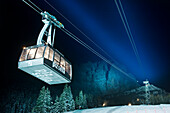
pixel 35 5
pixel 128 31
pixel 78 29
pixel 95 52
pixel 135 48
pixel 31 7
pixel 86 45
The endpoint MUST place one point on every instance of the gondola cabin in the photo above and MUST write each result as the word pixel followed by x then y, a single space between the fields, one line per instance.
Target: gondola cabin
pixel 42 60
pixel 45 63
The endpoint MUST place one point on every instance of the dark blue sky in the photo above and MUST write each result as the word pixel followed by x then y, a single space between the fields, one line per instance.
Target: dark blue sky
pixel 100 20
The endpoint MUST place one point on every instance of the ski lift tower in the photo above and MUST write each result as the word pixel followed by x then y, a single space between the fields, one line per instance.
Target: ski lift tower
pixel 147 92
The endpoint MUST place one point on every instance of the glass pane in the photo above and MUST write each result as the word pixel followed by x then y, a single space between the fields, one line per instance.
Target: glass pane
pixel 56 60
pixel 24 54
pixel 68 68
pixel 57 57
pixel 46 52
pixel 32 53
pixel 62 63
pixel 51 55
pixel 40 52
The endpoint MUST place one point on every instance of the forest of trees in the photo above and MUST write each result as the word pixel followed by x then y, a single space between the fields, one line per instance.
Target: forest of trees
pixel 62 103
pixel 44 101
pixel 96 79
pixel 27 100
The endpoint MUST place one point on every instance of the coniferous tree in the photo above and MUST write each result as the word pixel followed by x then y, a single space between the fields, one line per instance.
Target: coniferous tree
pixel 66 100
pixel 84 102
pixel 56 106
pixel 71 100
pixel 63 99
pixel 77 102
pixel 81 99
pixel 48 100
pixel 43 103
pixel 40 103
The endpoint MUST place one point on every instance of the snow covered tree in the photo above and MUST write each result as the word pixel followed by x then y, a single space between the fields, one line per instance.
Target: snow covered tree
pixel 81 101
pixel 43 103
pixel 40 103
pixel 56 107
pixel 48 100
pixel 84 102
pixel 66 100
pixel 71 100
pixel 77 102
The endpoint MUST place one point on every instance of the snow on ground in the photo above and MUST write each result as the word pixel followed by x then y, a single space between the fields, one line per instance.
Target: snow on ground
pixel 164 108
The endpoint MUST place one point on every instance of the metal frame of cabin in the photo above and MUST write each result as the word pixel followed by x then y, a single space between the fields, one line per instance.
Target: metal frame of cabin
pixel 45 63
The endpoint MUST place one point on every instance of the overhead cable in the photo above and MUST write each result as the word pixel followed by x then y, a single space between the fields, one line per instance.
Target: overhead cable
pixel 85 45
pixel 128 31
pixel 31 6
pixel 95 52
pixel 79 30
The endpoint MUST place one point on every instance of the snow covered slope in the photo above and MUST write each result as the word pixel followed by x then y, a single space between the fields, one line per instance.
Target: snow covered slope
pixel 165 108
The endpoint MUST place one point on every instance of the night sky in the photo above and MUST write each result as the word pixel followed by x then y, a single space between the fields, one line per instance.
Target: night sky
pixel 100 20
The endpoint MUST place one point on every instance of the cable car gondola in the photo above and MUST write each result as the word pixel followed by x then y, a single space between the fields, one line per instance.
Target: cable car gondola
pixel 47 63
pixel 42 60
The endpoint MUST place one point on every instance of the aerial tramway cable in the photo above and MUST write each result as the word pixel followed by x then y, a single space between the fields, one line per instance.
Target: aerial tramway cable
pixel 79 30
pixel 32 6
pixel 95 52
pixel 83 43
pixel 35 6
pixel 128 31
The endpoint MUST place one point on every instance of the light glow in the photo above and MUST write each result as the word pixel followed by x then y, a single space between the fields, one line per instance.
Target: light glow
pixel 129 104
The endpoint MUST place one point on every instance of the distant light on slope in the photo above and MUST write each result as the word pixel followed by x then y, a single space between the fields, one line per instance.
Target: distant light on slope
pixel 129 104
pixel 104 104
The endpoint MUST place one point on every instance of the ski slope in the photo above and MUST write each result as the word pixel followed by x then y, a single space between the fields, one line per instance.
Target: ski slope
pixel 164 108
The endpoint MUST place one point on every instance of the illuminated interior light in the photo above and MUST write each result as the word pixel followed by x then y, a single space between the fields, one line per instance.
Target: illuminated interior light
pixel 48 70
